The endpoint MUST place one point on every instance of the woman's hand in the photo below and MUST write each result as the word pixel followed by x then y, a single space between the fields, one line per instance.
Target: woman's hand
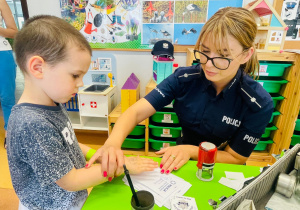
pixel 112 160
pixel 174 157
pixel 136 165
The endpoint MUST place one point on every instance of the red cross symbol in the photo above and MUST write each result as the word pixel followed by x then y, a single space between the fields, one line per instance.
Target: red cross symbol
pixel 93 104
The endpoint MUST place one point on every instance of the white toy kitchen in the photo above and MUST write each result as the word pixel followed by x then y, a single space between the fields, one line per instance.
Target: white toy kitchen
pixel 90 108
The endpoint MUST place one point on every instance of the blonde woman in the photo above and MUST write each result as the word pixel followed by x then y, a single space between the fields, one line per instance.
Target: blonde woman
pixel 8 66
pixel 216 101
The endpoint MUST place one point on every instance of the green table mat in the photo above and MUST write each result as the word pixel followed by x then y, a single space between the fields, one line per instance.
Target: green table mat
pixel 116 195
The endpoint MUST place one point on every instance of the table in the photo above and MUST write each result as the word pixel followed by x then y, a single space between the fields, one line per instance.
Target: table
pixel 116 195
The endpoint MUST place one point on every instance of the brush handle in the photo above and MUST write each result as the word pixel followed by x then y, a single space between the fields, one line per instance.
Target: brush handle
pixel 131 186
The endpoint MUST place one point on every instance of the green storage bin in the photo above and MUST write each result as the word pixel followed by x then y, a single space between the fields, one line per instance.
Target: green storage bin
pixel 168 132
pixel 133 143
pixel 276 97
pixel 271 84
pixel 295 140
pixel 165 117
pixel 276 113
pixel 272 69
pixel 137 130
pixel 156 144
pixel 268 130
pixel 262 144
pixel 297 127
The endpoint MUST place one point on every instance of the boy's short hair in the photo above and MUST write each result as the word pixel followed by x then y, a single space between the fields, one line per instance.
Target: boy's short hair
pixel 48 37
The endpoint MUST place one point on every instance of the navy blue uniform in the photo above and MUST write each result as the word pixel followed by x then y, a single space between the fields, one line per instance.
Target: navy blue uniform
pixel 237 116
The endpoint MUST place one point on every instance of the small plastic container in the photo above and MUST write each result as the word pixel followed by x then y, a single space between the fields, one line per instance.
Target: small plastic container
pixel 138 130
pixel 133 143
pixel 295 139
pixel 166 132
pixel 165 117
pixel 157 144
pixel 297 127
pixel 272 69
pixel 271 84
pixel 276 113
pixel 268 130
pixel 276 97
pixel 262 144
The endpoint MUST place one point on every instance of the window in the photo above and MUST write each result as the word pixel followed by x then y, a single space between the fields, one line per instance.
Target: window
pixel 19 11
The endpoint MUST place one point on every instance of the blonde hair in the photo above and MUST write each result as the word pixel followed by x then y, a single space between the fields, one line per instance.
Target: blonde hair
pixel 237 22
pixel 48 37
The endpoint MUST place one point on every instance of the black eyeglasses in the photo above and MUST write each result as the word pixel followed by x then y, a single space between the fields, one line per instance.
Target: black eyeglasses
pixel 218 62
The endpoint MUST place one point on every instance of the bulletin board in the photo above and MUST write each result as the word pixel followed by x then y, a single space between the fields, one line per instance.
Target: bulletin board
pixel 139 24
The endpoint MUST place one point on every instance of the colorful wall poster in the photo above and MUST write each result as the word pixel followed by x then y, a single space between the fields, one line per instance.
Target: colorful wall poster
pixel 139 24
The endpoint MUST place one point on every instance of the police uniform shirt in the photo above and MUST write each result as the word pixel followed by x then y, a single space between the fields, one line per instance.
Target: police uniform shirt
pixel 237 116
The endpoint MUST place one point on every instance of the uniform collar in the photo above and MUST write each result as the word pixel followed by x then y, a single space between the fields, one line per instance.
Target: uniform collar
pixel 233 83
pixel 229 88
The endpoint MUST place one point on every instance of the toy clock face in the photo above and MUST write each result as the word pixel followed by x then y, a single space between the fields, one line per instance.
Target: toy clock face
pixel 93 105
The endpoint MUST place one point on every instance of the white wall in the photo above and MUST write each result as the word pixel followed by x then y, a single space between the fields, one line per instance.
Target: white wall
pixel 127 62
pixel 43 7
pixel 139 63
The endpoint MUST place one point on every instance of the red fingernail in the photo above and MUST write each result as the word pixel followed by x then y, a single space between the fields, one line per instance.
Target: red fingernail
pixel 86 165
pixel 162 171
pixel 167 171
pixel 175 168
pixel 105 174
pixel 109 179
pixel 161 165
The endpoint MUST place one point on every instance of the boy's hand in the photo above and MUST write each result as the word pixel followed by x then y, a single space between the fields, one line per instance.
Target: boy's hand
pixel 136 165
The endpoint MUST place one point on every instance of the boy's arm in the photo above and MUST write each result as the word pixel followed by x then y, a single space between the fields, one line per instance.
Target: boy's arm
pixel 84 149
pixel 79 179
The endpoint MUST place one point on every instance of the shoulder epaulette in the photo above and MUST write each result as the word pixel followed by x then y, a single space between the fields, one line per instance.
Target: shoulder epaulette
pixel 186 74
pixel 255 101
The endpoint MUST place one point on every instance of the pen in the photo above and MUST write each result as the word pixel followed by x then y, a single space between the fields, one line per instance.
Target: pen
pixel 131 186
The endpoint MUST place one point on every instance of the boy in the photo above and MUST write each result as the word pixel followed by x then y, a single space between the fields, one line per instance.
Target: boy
pixel 46 162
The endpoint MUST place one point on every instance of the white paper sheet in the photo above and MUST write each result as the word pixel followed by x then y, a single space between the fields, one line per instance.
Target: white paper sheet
pixel 162 186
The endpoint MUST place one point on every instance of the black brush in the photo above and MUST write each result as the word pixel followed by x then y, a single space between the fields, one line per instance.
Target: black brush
pixel 131 186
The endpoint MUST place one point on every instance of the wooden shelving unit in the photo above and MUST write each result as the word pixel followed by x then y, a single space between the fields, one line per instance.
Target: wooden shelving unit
pixel 289 107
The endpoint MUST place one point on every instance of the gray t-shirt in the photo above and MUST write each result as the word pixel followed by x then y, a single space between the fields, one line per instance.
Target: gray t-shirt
pixel 42 148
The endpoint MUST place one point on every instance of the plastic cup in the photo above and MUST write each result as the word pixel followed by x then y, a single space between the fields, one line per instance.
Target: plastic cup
pixel 146 200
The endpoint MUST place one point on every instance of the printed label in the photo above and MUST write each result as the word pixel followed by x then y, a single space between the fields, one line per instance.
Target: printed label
pixel 263 68
pixel 166 133
pixel 167 118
